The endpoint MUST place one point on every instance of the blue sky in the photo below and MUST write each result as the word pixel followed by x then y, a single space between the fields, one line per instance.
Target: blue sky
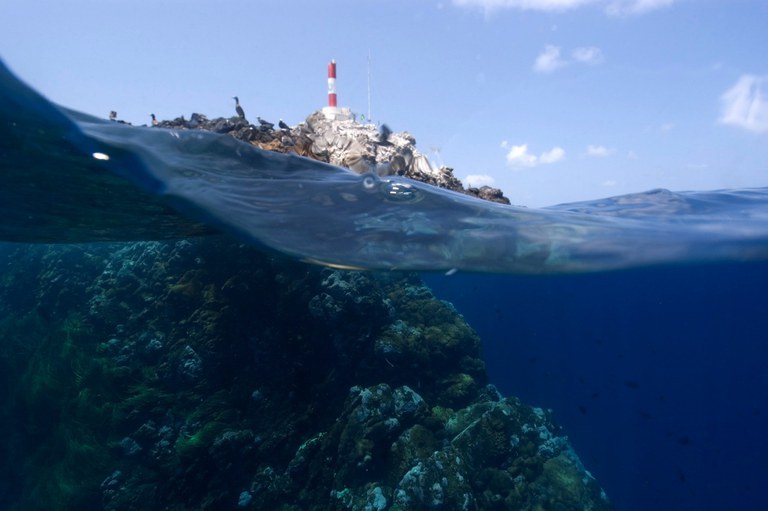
pixel 551 100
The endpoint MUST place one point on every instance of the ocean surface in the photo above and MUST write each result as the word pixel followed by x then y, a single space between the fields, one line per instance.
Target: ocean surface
pixel 640 320
pixel 118 182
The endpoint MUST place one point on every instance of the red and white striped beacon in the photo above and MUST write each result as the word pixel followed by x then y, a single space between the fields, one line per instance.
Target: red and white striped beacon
pixel 332 83
pixel 332 111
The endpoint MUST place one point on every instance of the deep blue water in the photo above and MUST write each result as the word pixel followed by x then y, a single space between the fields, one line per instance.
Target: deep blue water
pixel 658 375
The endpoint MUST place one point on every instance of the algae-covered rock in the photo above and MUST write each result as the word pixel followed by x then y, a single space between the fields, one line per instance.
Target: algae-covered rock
pixel 205 374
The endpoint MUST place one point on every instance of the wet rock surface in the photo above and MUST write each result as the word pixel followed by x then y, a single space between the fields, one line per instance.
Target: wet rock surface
pixel 206 374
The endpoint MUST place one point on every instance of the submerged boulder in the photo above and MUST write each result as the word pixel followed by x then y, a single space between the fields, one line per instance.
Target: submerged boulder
pixel 206 374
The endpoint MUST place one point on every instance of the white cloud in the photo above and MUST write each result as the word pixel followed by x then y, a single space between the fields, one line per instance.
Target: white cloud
pixel 553 155
pixel 504 144
pixel 666 127
pixel 612 7
pixel 548 60
pixel 744 104
pixel 631 155
pixel 524 5
pixel 588 55
pixel 633 7
pixel 598 151
pixel 478 180
pixel 518 156
pixel 610 182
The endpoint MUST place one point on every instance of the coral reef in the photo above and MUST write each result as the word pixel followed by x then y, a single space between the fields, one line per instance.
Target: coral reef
pixel 206 374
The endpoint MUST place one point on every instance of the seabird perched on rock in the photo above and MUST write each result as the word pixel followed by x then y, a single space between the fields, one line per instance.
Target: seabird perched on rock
pixel 283 126
pixel 112 115
pixel 265 124
pixel 384 134
pixel 154 120
pixel 238 108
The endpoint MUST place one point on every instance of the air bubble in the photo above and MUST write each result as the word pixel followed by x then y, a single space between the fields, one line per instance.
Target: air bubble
pixel 369 182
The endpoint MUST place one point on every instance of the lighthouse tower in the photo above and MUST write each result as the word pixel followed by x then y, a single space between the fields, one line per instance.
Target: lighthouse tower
pixel 332 111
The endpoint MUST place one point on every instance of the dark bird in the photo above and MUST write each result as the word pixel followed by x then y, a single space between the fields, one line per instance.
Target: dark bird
pixel 238 108
pixel 112 115
pixel 265 124
pixel 384 134
pixel 154 120
pixel 283 126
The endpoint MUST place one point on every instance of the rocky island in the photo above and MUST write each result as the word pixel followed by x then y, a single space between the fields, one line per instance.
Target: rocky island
pixel 205 374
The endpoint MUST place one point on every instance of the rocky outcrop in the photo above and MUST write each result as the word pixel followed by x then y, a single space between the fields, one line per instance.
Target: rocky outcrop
pixel 346 143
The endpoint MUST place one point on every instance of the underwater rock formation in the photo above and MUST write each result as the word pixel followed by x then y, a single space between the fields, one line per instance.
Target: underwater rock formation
pixel 206 374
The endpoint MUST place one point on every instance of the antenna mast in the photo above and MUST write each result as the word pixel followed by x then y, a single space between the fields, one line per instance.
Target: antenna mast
pixel 369 85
